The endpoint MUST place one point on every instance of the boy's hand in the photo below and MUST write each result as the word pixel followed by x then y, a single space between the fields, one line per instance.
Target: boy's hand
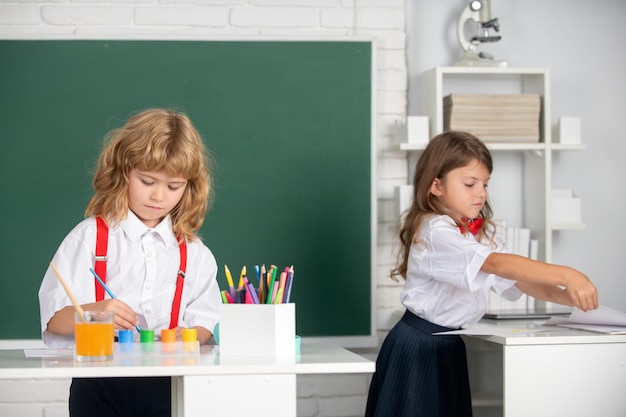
pixel 123 316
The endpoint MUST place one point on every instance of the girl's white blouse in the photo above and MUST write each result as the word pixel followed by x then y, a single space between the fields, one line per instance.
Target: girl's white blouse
pixel 444 283
pixel 142 270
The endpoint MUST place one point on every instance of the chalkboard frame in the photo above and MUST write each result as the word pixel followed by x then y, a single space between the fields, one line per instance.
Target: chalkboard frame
pixel 25 158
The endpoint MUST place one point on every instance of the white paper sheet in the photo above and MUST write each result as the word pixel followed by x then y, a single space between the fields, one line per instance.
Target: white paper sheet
pixel 596 328
pixel 603 319
pixel 48 353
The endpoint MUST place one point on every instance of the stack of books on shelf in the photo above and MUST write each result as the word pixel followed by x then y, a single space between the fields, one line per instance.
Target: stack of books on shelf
pixel 509 118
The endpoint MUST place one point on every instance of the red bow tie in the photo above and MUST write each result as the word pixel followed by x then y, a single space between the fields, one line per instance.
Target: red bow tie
pixel 472 225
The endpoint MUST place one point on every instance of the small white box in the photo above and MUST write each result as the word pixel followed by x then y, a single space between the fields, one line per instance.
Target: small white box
pixel 403 197
pixel 565 207
pixel 266 330
pixel 568 130
pixel 400 131
pixel 415 130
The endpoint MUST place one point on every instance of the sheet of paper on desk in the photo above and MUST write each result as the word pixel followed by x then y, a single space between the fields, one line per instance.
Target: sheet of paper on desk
pixel 603 319
pixel 48 353
pixel 494 331
pixel 596 328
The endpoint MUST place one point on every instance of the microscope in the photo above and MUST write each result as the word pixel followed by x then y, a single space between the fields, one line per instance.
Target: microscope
pixel 479 13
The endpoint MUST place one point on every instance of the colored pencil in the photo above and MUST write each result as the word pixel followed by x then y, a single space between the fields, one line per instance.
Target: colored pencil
pixel 251 291
pixel 241 275
pixel 289 284
pixel 262 285
pixel 229 278
pixel 272 284
pixel 108 291
pixel 257 272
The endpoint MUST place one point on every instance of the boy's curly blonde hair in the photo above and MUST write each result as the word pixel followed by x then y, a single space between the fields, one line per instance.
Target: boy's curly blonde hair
pixel 159 140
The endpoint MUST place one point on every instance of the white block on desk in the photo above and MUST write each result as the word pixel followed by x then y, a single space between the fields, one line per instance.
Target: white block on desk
pixel 265 330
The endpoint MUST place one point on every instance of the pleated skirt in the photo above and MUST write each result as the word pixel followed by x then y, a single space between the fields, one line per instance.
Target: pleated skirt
pixel 420 375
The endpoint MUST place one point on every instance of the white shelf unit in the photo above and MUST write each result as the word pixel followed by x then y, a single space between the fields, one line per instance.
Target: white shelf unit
pixel 536 159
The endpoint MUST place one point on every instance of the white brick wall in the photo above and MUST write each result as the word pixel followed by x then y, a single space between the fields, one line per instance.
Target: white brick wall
pixel 382 20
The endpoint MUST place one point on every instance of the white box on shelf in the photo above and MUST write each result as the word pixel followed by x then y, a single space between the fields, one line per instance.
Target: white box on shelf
pixel 565 207
pixel 400 131
pixel 266 330
pixel 568 130
pixel 415 130
pixel 403 196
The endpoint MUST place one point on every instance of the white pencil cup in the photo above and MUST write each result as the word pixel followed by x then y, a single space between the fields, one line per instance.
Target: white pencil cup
pixel 266 330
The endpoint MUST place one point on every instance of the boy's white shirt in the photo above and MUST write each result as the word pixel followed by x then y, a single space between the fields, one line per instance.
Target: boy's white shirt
pixel 141 271
pixel 444 284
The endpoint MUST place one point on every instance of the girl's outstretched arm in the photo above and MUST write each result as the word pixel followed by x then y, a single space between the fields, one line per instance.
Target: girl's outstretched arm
pixel 546 292
pixel 543 278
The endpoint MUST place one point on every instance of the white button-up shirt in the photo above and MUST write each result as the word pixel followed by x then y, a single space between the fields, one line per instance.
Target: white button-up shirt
pixel 142 270
pixel 444 283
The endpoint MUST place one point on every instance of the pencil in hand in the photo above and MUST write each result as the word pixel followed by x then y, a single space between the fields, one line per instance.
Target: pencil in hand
pixel 108 291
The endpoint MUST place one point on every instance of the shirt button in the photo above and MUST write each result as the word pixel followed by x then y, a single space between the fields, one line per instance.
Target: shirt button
pixel 149 255
pixel 148 311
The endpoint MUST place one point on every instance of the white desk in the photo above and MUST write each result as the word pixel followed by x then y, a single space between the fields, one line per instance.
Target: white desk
pixel 206 384
pixel 562 372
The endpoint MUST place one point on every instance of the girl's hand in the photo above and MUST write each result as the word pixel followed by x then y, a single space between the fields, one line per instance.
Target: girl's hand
pixel 582 293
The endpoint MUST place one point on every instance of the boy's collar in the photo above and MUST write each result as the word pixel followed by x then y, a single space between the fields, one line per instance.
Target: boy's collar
pixel 135 228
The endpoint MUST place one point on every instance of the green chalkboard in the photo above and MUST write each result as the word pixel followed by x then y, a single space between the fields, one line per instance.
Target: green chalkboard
pixel 289 127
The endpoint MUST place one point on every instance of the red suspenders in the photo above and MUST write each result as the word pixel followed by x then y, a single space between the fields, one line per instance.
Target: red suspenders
pixel 102 240
pixel 180 280
pixel 102 243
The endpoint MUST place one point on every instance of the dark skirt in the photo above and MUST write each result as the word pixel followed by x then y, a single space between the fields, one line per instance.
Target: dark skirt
pixel 420 375
pixel 121 397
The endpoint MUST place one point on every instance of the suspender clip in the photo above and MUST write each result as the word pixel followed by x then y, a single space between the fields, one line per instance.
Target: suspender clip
pixel 101 258
pixel 181 273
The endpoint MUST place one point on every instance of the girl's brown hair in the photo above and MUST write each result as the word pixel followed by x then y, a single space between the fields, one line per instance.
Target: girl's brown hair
pixel 154 140
pixel 445 152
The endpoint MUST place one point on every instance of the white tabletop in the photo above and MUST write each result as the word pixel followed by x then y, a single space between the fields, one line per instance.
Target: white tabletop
pixel 513 332
pixel 313 359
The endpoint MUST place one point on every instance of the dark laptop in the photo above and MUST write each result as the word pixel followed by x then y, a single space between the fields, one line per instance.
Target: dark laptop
pixel 535 313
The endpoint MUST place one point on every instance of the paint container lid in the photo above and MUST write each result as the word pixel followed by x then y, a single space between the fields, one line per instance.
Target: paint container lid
pixel 168 335
pixel 216 334
pixel 147 336
pixel 125 336
pixel 190 335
